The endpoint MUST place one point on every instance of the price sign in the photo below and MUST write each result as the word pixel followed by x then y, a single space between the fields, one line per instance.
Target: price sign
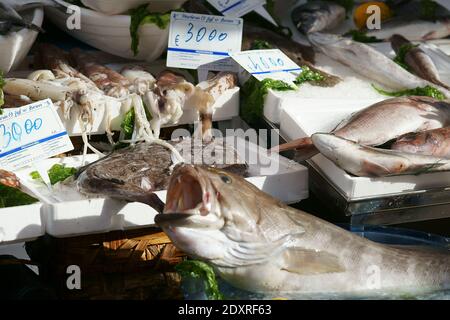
pixel 198 40
pixel 236 8
pixel 264 64
pixel 30 134
pixel 239 8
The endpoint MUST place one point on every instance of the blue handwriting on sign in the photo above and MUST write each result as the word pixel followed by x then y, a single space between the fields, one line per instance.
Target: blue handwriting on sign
pixel 262 63
pixel 14 133
pixel 197 34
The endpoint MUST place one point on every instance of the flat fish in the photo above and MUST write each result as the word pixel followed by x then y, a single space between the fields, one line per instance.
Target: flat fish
pixel 136 172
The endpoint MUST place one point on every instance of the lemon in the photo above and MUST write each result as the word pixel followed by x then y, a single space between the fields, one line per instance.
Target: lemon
pixel 360 14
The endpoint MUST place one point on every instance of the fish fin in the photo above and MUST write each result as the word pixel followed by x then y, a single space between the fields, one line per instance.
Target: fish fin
pixel 307 262
pixel 374 169
pixel 428 168
pixel 297 219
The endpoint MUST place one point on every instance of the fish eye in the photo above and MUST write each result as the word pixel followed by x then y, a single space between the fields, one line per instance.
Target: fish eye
pixel 225 179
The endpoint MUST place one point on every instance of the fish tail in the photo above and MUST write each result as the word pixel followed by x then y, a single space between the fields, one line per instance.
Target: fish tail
pixel 304 148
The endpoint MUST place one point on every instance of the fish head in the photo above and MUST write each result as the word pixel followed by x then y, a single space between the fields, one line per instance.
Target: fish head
pixel 208 211
pixel 334 45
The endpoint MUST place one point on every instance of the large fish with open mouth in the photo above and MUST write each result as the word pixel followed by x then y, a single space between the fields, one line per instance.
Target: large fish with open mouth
pixel 369 62
pixel 363 161
pixel 417 60
pixel 430 143
pixel 258 244
pixel 382 122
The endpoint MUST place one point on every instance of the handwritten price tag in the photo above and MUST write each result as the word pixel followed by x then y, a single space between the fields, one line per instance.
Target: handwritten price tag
pixel 264 64
pixel 197 40
pixel 236 8
pixel 30 134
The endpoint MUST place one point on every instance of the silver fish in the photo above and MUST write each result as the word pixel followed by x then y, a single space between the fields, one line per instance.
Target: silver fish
pixel 318 16
pixel 369 62
pixel 420 63
pixel 9 18
pixel 431 143
pixel 382 122
pixel 413 30
pixel 363 161
pixel 258 244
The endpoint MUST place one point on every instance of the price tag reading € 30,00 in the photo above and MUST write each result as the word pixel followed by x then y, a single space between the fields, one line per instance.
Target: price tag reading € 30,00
pixel 202 40
pixel 271 63
pixel 31 134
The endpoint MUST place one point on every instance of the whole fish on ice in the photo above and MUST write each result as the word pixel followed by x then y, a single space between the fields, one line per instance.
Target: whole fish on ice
pixel 363 161
pixel 369 62
pixel 318 16
pixel 417 60
pixel 431 143
pixel 382 122
pixel 258 244
pixel 413 30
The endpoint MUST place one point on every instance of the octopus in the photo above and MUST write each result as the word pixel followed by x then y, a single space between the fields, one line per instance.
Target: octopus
pixel 9 179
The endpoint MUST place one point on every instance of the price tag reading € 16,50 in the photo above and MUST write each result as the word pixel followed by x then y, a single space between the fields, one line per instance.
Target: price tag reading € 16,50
pixel 270 63
pixel 236 8
pixel 202 40
pixel 31 134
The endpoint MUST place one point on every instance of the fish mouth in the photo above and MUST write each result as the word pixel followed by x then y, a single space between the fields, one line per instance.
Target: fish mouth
pixel 190 200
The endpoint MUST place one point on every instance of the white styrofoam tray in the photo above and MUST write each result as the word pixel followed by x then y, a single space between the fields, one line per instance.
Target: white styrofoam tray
pixel 353 87
pixel 23 222
pixel 225 108
pixel 78 215
pixel 302 122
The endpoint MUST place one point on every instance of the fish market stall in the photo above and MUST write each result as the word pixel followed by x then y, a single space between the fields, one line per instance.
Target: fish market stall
pixel 210 150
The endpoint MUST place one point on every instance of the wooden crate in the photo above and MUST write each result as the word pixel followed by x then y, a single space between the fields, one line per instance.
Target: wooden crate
pixel 135 264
